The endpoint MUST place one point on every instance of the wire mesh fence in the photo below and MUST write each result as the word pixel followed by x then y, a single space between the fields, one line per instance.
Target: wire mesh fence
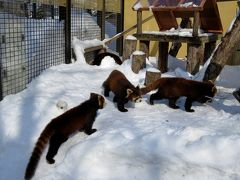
pixel 34 35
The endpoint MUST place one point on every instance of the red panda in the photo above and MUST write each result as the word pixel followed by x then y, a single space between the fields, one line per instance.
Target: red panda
pixel 122 89
pixel 58 130
pixel 173 88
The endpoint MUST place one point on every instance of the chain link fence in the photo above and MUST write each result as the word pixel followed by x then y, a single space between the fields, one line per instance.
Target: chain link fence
pixel 35 35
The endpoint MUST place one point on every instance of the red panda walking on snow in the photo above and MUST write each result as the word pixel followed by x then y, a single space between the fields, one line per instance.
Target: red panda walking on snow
pixel 79 118
pixel 173 88
pixel 122 89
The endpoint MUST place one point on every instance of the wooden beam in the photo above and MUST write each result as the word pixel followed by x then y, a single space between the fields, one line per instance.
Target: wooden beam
pixel 196 23
pixel 163 56
pixel 175 38
pixel 139 22
pixel 109 41
pixel 193 62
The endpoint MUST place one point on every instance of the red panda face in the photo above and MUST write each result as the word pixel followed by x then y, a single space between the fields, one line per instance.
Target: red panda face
pixel 134 95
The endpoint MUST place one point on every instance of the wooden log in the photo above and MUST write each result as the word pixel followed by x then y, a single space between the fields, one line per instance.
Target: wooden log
pixel 138 61
pixel 224 51
pixel 163 56
pixel 130 45
pixel 151 76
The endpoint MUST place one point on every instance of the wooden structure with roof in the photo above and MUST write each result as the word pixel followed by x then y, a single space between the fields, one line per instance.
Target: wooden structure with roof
pixel 205 16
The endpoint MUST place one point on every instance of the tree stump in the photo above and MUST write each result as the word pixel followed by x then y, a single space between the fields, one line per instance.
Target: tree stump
pixel 151 76
pixel 130 45
pixel 138 61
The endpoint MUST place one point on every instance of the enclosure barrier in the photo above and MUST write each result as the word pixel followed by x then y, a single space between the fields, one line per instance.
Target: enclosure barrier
pixel 37 34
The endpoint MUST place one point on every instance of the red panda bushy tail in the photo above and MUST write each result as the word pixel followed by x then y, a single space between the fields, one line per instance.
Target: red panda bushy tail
pixel 149 87
pixel 37 151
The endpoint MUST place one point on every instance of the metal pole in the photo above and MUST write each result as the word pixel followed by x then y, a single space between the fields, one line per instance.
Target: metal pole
pixel 1 85
pixel 34 11
pixel 68 33
pixel 103 20
pixel 120 28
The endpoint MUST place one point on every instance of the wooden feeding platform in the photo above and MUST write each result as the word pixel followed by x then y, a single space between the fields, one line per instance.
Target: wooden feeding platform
pixel 205 16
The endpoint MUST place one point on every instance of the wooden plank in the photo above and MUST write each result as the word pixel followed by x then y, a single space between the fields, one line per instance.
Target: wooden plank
pixel 165 20
pixel 176 38
pixel 109 41
pixel 210 18
pixel 225 0
pixel 198 8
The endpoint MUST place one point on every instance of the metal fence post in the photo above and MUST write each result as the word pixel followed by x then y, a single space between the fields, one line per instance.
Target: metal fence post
pixel 68 32
pixel 1 89
pixel 103 19
pixel 120 28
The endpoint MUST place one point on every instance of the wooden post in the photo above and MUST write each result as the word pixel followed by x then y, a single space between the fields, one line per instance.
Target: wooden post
pixel 138 61
pixel 130 45
pixel 144 47
pixel 163 56
pixel 194 57
pixel 196 23
pixel 139 22
pixel 151 76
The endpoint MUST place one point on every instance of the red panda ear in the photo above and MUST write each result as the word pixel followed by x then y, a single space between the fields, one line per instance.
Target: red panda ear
pixel 214 89
pixel 129 91
pixel 137 87
pixel 210 81
pixel 101 101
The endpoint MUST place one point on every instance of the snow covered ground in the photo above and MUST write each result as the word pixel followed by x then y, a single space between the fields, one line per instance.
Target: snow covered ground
pixel 146 143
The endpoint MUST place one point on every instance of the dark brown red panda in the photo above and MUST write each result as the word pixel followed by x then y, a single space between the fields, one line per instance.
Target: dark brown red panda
pixel 122 89
pixel 173 88
pixel 99 57
pixel 57 131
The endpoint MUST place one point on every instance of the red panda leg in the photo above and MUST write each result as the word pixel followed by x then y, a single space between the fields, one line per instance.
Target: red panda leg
pixel 172 103
pixel 88 128
pixel 188 104
pixel 155 96
pixel 54 144
pixel 106 89
pixel 120 105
